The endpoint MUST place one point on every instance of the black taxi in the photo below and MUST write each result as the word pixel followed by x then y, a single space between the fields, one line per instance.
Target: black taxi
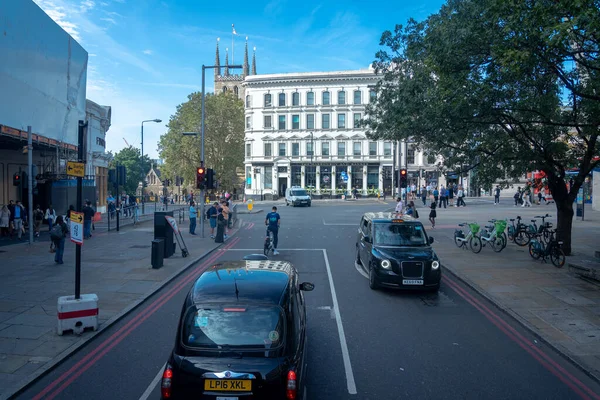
pixel 241 335
pixel 395 251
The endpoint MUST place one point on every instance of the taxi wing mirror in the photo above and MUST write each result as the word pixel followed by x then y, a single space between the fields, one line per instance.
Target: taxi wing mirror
pixel 307 286
pixel 430 240
pixel 368 239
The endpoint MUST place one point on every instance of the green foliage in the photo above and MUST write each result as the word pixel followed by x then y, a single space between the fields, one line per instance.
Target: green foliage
pixel 224 138
pixel 136 170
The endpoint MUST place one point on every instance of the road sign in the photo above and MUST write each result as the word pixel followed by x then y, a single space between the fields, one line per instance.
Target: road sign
pixel 76 225
pixel 75 169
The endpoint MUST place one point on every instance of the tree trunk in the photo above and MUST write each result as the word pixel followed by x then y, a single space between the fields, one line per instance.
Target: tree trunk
pixel 564 224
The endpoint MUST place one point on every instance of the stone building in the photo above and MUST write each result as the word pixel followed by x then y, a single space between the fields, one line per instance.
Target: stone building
pixel 227 79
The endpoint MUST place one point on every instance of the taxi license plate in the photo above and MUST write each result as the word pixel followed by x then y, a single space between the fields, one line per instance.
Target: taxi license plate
pixel 412 281
pixel 227 398
pixel 228 385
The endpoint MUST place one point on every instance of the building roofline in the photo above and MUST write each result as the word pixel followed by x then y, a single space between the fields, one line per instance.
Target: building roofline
pixel 366 73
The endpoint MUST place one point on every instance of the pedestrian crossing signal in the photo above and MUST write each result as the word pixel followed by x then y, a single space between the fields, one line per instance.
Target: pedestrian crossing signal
pixel 200 178
pixel 17 179
pixel 403 178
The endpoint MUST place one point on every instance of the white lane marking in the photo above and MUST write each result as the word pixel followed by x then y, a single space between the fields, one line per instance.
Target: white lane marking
pixel 336 310
pixel 324 308
pixel 277 249
pixel 360 270
pixel 153 384
pixel 338 224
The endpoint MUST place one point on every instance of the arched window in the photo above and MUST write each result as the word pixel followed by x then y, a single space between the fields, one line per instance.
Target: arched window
pixel 247 101
pixel 224 89
pixel 236 91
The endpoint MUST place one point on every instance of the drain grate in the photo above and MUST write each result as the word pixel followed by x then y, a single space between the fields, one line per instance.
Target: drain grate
pixel 141 246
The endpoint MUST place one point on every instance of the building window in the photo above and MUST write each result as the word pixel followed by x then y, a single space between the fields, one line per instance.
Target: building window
pixel 281 125
pixel 310 179
pixel 296 175
pixel 341 121
pixel 310 121
pixel 267 122
pixel 325 121
pixel 326 98
pixel 431 158
pixel 372 95
pixel 325 148
pixel 224 89
pixel 341 97
pixel 248 150
pixel 236 91
pixel 281 99
pixel 295 99
pixel 295 121
pixel 248 176
pixel 341 148
pixel 387 149
pixel 309 149
pixel 340 173
pixel 268 100
pixel 295 149
pixel 325 177
pixel 357 117
pixel 310 98
pixel 357 148
pixel 372 148
pixel 268 152
pixel 411 155
pixel 282 149
pixel 372 177
pixel 247 101
pixel 248 122
pixel 268 178
pixel 357 97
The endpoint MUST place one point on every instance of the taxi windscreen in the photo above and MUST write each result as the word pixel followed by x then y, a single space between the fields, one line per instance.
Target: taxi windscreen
pixel 233 327
pixel 299 192
pixel 399 234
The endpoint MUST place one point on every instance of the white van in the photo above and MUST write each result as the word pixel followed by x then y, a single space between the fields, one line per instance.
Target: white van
pixel 297 196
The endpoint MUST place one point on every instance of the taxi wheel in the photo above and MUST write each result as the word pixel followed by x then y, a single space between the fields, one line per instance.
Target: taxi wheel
pixel 357 257
pixel 372 280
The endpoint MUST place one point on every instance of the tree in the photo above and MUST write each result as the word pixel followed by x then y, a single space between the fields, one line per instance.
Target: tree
pixel 502 87
pixel 223 143
pixel 136 171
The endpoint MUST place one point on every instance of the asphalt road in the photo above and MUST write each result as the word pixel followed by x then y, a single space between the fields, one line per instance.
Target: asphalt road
pixel 361 344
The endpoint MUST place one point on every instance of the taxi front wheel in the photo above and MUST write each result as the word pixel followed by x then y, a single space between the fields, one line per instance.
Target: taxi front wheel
pixel 372 279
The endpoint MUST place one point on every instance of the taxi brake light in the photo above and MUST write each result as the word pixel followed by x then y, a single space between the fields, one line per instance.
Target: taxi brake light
pixel 234 309
pixel 165 386
pixel 291 386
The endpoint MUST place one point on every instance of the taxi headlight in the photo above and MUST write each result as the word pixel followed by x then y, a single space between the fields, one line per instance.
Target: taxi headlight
pixel 435 264
pixel 386 264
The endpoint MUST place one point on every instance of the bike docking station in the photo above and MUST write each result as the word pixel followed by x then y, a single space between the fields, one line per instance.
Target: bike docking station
pixel 79 312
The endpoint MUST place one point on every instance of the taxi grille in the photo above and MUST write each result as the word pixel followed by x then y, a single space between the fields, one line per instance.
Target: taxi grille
pixel 412 269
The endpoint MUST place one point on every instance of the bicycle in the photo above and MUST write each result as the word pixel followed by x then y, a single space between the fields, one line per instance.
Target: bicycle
pixel 493 221
pixel 474 241
pixel 545 228
pixel 268 247
pixel 495 237
pixel 518 233
pixel 537 249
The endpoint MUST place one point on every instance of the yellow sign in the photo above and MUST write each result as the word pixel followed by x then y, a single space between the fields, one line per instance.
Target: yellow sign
pixel 76 169
pixel 76 217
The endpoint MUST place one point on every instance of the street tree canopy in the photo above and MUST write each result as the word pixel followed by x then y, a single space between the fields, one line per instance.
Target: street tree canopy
pixel 500 87
pixel 224 138
pixel 130 158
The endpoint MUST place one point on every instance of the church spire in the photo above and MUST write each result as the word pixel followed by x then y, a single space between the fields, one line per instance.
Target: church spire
pixel 226 62
pixel 217 61
pixel 246 65
pixel 254 62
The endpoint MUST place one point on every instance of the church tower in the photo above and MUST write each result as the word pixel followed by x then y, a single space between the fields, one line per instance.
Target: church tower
pixel 229 79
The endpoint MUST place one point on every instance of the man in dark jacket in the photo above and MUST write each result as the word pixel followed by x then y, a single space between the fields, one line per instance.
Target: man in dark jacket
pixel 88 215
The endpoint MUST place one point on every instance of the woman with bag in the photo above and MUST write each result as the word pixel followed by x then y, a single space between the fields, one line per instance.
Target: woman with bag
pixel 57 235
pixel 50 217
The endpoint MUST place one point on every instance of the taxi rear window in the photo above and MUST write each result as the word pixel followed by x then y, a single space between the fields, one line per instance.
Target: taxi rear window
pixel 399 234
pixel 233 327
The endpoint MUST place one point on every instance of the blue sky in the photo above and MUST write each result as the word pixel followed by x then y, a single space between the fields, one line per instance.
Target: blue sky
pixel 146 55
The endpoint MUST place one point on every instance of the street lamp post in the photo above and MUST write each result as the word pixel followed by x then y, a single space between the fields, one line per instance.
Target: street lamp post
pixel 142 160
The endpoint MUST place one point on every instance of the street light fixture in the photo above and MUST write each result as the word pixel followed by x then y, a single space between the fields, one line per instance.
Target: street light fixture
pixel 142 160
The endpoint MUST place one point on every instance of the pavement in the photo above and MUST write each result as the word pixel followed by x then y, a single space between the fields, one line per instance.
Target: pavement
pixel 115 265
pixel 502 325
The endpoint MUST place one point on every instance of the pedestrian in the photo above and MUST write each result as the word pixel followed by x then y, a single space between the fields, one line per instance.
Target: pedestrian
pixel 399 205
pixel 443 197
pixel 38 218
pixel 497 195
pixel 50 217
pixel 225 212
pixel 450 198
pixel 460 201
pixel 424 195
pixel 4 220
pixel 432 213
pixel 19 216
pixel 526 196
pixel 193 216
pixel 57 235
pixel 88 215
pixel 542 195
pixel 436 194
pixel 211 214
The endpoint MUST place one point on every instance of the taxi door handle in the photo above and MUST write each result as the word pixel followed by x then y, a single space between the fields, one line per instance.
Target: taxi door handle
pixel 362 243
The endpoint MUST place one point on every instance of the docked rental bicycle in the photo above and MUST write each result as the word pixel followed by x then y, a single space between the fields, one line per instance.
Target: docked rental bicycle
pixel 538 249
pixel 461 240
pixel 268 242
pixel 518 233
pixel 495 235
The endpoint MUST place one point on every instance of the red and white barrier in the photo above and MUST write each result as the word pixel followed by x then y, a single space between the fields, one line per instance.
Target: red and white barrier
pixel 77 315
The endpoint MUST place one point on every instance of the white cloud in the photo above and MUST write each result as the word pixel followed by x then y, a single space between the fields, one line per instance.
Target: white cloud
pixel 109 20
pixel 86 5
pixel 148 52
pixel 58 13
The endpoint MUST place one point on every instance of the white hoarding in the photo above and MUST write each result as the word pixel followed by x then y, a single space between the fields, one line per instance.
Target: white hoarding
pixel 43 73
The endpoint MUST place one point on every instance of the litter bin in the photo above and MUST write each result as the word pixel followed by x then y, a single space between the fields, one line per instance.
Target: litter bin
pixel 158 253
pixel 163 230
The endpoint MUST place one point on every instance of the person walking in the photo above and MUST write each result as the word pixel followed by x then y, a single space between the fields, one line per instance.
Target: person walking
pixel 50 216
pixel 88 215
pixel 424 195
pixel 273 222
pixel 399 206
pixel 460 200
pixel 436 194
pixel 433 213
pixel 526 196
pixel 450 198
pixel 193 216
pixel 225 211
pixel 4 220
pixel 57 235
pixel 38 218
pixel 19 216
pixel 497 195
pixel 211 214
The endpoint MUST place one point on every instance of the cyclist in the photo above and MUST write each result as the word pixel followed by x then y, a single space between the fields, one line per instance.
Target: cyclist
pixel 273 221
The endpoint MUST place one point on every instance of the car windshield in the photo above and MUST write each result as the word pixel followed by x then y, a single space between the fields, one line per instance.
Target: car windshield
pixel 299 192
pixel 393 234
pixel 233 327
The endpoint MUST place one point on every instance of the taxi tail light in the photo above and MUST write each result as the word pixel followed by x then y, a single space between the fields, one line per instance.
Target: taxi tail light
pixel 167 380
pixel 292 386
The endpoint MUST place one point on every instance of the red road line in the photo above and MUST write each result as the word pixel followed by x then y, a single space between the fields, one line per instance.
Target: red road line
pixel 551 365
pixel 77 369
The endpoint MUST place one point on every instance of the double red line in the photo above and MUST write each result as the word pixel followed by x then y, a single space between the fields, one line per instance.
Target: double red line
pixel 567 378
pixel 103 348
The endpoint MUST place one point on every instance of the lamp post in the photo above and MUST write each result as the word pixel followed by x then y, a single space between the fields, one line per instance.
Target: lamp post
pixel 142 160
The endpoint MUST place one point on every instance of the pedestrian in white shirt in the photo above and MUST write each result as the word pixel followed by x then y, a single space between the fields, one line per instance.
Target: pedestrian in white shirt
pixel 50 217
pixel 399 206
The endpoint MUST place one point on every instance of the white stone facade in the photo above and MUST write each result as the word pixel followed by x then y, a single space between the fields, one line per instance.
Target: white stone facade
pixel 286 114
pixel 99 119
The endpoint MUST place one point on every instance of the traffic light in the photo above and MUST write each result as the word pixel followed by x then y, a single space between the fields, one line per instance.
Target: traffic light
pixel 121 174
pixel 200 177
pixel 17 179
pixel 210 178
pixel 403 178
